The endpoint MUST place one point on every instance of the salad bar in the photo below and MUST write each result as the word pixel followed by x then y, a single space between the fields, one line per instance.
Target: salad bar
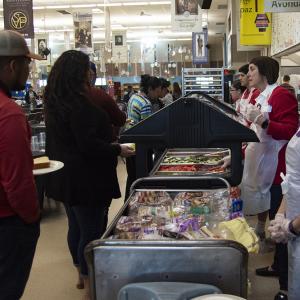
pixel 192 162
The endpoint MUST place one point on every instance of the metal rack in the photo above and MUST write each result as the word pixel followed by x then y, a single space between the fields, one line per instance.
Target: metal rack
pixel 207 80
pixel 115 263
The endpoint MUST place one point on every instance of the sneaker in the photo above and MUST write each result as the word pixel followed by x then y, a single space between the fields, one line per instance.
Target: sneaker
pixel 267 272
pixel 281 296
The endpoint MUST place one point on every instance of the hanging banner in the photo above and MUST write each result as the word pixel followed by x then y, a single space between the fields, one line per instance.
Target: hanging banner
pixel 186 15
pixel 18 16
pixel 42 46
pixel 255 25
pixel 282 6
pixel 120 54
pixel 83 32
pixel 199 49
pixel 107 27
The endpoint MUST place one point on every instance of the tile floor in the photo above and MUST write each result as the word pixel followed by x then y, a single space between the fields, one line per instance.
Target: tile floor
pixel 53 276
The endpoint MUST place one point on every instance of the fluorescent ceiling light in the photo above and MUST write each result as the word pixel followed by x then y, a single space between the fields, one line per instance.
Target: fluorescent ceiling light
pixel 110 4
pixel 38 7
pixel 97 11
pixel 135 3
pixel 159 2
pixel 83 5
pixel 57 6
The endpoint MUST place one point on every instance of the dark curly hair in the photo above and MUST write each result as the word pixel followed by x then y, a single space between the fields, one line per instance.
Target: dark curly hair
pixel 67 85
pixel 148 82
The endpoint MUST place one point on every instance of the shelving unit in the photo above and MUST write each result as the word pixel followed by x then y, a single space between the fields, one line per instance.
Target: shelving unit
pixel 208 80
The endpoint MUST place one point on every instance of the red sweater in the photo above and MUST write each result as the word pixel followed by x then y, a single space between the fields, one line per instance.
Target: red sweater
pixel 17 188
pixel 283 123
pixel 117 118
pixel 109 105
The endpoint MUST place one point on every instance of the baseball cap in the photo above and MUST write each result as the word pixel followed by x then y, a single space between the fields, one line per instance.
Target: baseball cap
pixel 12 43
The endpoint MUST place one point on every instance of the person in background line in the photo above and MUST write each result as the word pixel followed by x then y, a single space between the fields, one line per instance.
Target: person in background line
pixel 100 98
pixel 19 208
pixel 236 92
pixel 176 93
pixel 286 84
pixel 139 108
pixel 117 118
pixel 275 120
pixel 30 95
pixel 165 97
pixel 128 93
pixel 249 95
pixel 79 134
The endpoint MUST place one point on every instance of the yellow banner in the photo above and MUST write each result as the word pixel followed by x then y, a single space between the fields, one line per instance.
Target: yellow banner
pixel 255 25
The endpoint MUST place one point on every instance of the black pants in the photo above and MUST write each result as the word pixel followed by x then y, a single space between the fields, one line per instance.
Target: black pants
pixel 280 263
pixel 17 247
pixel 131 174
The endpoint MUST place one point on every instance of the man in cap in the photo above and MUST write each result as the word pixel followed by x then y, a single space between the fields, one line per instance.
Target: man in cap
pixel 19 209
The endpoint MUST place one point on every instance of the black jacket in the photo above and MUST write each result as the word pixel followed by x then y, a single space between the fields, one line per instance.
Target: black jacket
pixel 83 144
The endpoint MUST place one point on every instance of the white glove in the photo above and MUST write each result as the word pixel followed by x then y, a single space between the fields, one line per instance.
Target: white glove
pixel 284 183
pixel 279 229
pixel 253 114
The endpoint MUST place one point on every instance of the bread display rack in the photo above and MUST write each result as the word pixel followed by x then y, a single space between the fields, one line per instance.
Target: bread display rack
pixel 207 80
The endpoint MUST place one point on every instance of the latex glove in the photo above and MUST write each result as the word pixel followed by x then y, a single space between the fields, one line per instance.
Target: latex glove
pixel 226 162
pixel 279 229
pixel 275 224
pixel 253 114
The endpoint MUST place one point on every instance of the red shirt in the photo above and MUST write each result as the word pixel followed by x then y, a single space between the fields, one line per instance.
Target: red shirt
pixel 283 123
pixel 17 188
pixel 109 105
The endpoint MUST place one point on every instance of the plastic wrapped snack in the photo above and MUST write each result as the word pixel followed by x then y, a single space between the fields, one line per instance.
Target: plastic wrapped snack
pixel 148 198
pixel 195 203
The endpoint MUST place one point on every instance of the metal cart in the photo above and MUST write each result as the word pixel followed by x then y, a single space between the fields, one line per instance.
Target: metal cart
pixel 116 263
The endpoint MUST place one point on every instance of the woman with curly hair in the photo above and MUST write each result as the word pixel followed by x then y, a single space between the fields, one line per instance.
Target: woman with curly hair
pixel 80 135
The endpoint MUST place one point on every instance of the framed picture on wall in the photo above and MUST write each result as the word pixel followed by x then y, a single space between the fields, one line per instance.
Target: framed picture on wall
pixel 118 40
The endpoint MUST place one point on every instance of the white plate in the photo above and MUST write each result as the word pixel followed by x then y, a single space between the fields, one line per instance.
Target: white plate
pixel 218 297
pixel 54 166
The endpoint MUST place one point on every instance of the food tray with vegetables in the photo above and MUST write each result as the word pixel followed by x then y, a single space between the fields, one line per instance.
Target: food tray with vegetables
pixel 192 162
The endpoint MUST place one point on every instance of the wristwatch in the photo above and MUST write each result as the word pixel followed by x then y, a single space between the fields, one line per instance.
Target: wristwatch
pixel 265 124
pixel 292 229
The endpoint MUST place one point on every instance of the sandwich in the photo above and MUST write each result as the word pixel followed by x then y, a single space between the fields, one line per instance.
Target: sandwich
pixel 41 162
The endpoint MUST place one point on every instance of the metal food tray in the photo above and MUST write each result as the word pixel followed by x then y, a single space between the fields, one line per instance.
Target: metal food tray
pixel 116 263
pixel 185 152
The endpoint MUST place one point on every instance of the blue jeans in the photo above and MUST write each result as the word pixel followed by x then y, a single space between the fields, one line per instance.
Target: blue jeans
pixel 17 247
pixel 86 223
